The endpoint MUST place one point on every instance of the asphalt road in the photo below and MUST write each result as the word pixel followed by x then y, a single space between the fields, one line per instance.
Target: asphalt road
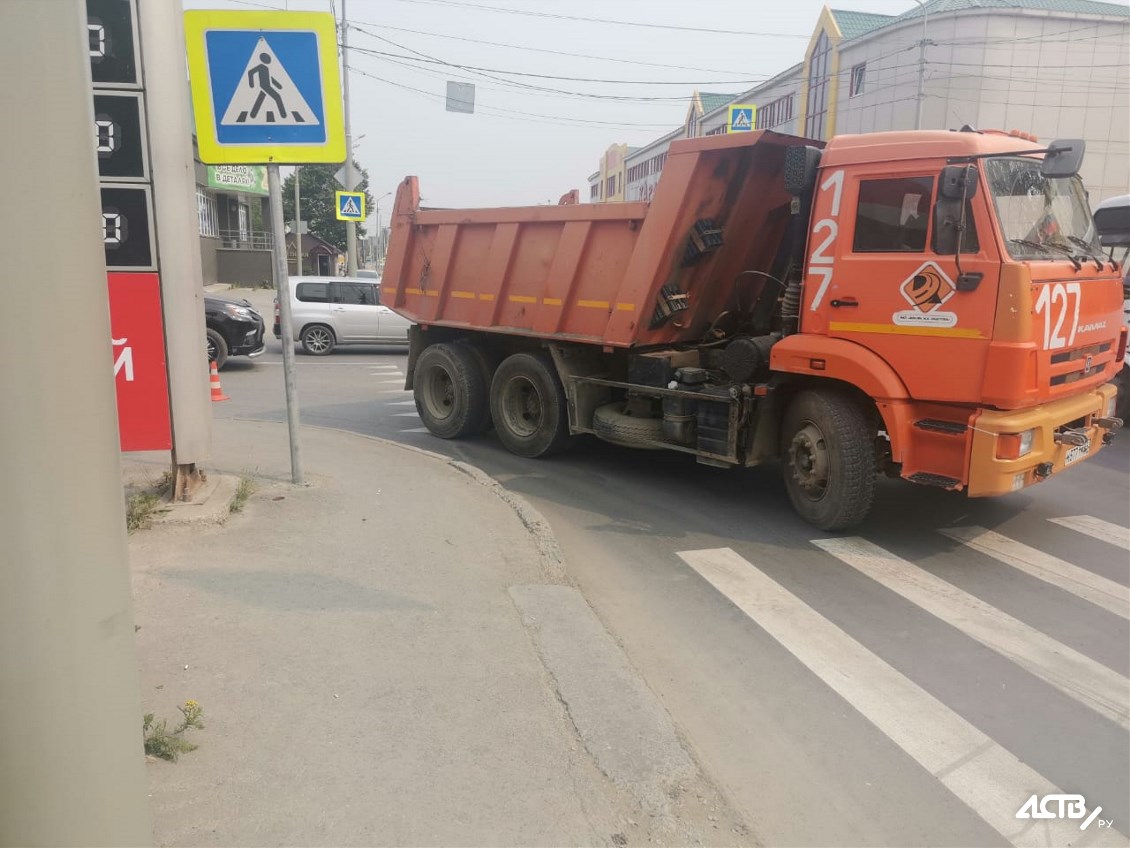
pixel 912 684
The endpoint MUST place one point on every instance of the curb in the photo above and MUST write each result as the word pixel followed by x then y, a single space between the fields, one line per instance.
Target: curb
pixel 552 560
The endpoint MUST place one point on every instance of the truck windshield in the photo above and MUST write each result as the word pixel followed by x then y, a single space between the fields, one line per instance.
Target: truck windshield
pixel 1041 217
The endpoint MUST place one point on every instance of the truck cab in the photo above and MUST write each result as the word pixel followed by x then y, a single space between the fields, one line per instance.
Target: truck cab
pixel 957 280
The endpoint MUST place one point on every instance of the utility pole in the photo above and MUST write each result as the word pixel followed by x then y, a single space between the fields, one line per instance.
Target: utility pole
pixel 178 239
pixel 72 771
pixel 297 225
pixel 350 173
pixel 921 64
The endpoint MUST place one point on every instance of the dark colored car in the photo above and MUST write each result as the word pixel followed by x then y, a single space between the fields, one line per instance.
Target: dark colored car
pixel 234 328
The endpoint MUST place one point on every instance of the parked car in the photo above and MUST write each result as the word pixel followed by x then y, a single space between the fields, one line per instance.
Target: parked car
pixel 332 311
pixel 233 328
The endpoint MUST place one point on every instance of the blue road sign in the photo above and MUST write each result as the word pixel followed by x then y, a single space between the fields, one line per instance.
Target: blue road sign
pixel 350 205
pixel 265 86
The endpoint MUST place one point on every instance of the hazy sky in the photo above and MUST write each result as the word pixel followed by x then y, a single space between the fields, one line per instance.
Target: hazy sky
pixel 498 157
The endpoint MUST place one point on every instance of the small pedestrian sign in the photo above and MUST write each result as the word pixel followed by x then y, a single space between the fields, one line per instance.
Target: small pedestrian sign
pixel 350 205
pixel 742 118
pixel 265 87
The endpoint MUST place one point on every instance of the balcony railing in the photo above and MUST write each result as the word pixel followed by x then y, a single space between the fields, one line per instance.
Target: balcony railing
pixel 247 239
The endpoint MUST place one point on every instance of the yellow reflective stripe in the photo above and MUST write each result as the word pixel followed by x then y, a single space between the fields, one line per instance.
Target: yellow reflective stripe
pixel 522 298
pixel 594 304
pixel 552 301
pixel 892 329
pixel 486 297
pixel 464 295
pixel 626 307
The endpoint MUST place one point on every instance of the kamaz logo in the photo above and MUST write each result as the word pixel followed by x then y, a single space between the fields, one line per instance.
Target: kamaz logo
pixel 1098 325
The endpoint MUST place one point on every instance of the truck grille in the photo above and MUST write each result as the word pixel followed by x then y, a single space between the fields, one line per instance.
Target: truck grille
pixel 1082 363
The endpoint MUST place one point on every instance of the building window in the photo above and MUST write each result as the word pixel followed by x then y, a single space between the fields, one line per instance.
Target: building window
pixel 857 75
pixel 244 222
pixel 721 130
pixel 206 211
pixel 594 191
pixel 776 113
pixel 893 215
pixel 816 113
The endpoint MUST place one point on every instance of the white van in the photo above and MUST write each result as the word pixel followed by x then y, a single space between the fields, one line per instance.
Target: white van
pixel 332 311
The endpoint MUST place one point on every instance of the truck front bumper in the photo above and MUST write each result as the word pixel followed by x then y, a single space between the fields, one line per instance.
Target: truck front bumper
pixel 990 474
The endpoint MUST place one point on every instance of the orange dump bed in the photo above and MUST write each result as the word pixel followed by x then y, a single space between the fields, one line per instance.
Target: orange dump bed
pixel 596 272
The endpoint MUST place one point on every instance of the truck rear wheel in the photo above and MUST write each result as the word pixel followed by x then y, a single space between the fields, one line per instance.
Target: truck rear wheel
pixel 528 406
pixel 829 459
pixel 450 392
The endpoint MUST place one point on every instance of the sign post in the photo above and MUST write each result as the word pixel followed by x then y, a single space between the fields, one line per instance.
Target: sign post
pixel 266 89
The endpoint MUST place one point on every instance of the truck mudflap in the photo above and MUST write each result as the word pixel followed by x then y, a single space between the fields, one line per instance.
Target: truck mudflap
pixel 1063 434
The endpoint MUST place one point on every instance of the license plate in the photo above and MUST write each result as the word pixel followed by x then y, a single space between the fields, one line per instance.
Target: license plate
pixel 1076 453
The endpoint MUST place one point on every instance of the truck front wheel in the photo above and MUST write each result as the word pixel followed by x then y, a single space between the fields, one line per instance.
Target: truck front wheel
pixel 829 459
pixel 528 406
pixel 450 392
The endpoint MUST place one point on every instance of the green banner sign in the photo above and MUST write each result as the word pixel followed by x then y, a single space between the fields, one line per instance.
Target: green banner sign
pixel 250 179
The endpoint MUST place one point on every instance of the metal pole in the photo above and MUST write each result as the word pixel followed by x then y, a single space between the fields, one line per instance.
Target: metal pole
pixel 921 64
pixel 282 289
pixel 160 23
pixel 72 766
pixel 297 225
pixel 350 172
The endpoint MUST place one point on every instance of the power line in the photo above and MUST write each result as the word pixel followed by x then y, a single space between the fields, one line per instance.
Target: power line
pixel 533 14
pixel 541 49
pixel 490 109
pixel 555 76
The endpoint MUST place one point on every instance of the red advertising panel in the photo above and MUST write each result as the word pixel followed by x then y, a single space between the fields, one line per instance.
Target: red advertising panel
pixel 139 362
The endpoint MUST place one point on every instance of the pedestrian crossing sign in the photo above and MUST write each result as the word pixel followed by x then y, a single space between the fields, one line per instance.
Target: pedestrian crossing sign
pixel 265 87
pixel 350 205
pixel 742 118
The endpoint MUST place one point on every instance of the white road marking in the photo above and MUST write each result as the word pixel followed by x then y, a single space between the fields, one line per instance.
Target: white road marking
pixel 416 430
pixel 987 778
pixel 1111 596
pixel 1105 691
pixel 399 382
pixel 401 403
pixel 406 415
pixel 1114 534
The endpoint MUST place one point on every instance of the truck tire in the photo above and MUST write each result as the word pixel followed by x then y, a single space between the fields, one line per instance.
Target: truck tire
pixel 612 424
pixel 487 360
pixel 829 459
pixel 449 390
pixel 528 406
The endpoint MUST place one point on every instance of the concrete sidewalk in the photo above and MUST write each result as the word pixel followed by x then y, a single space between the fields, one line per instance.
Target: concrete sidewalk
pixel 391 655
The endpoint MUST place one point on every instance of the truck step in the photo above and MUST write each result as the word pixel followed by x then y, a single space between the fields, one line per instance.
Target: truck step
pixel 935 426
pixel 928 479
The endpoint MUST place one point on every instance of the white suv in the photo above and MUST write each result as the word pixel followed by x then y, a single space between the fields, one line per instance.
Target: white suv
pixel 332 311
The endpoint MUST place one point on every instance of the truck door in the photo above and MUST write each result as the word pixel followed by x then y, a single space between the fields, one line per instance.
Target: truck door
pixel 892 286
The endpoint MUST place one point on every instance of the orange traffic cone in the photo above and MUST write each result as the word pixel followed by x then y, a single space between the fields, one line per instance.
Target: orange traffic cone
pixel 214 379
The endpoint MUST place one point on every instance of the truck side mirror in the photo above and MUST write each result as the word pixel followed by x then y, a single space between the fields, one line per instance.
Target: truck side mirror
pixel 800 169
pixel 1064 157
pixel 959 182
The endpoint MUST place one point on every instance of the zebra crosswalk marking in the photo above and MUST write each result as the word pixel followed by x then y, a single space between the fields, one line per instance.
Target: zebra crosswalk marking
pixel 1111 596
pixel 984 775
pixel 1096 528
pixel 1076 675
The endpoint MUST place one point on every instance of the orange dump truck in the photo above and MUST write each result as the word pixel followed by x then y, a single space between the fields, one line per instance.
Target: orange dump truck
pixel 933 305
